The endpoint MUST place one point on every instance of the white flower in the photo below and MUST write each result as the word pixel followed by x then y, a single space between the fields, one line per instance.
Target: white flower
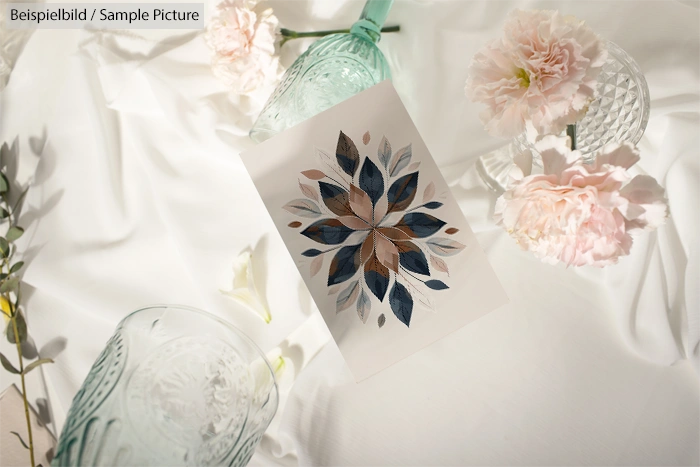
pixel 242 38
pixel 244 290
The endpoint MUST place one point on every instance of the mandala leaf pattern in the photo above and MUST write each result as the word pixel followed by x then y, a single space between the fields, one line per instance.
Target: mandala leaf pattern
pixel 387 253
pixel 335 198
pixel 400 160
pixel 371 180
pixel 347 155
pixel 347 297
pixel 444 246
pixel 344 265
pixel 364 306
pixel 384 152
pixel 401 303
pixel 303 208
pixel 402 192
pixel 327 232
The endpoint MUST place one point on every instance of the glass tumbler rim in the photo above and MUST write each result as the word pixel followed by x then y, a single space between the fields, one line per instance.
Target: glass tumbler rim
pixel 229 326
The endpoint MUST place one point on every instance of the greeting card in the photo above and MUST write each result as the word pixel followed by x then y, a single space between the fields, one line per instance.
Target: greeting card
pixel 372 226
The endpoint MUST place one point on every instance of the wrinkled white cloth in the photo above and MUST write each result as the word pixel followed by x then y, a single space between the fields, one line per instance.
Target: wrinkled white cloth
pixel 140 197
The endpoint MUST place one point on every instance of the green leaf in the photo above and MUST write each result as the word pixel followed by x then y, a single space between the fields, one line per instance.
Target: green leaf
pixel 4 186
pixel 21 329
pixel 3 276
pixel 14 233
pixel 7 365
pixel 4 213
pixel 9 285
pixel 20 439
pixel 4 247
pixel 36 363
pixel 16 267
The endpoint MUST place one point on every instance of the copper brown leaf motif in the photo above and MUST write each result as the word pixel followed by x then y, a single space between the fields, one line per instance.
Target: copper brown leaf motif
pixel 347 154
pixel 314 174
pixel 335 198
pixel 394 234
pixel 386 252
pixel 451 231
pixel 366 138
pixel 360 203
pixel 367 249
pixel 354 222
pixel 294 224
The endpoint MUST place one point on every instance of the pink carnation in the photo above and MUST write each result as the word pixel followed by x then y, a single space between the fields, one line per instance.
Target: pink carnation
pixel 543 70
pixel 581 214
pixel 242 37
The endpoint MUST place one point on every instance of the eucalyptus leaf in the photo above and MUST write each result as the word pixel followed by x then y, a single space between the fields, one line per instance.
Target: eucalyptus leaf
pixel 36 363
pixel 16 267
pixel 21 329
pixel 4 247
pixel 14 233
pixel 4 213
pixel 4 186
pixel 7 365
pixel 10 284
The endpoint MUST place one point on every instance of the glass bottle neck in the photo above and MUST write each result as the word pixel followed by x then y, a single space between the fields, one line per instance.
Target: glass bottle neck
pixel 372 19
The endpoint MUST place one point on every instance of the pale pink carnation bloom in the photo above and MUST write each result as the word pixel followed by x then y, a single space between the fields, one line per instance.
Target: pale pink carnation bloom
pixel 544 69
pixel 242 37
pixel 581 214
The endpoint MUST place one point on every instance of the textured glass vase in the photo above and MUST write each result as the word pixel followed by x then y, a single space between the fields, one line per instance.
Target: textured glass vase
pixel 333 69
pixel 619 112
pixel 174 386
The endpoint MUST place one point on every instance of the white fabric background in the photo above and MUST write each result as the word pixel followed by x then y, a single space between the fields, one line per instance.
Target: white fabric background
pixel 140 197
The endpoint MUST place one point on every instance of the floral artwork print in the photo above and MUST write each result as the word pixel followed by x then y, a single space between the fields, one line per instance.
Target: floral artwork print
pixel 382 241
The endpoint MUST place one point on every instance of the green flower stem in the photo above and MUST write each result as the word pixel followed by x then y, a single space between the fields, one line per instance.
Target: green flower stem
pixel 288 34
pixel 571 133
pixel 13 312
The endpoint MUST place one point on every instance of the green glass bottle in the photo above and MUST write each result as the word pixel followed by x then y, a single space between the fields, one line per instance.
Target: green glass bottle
pixel 331 70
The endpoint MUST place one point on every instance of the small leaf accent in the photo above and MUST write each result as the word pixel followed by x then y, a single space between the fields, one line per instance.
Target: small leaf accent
pixel 308 191
pixel 451 231
pixel 436 284
pixel 36 363
pixel 14 233
pixel 366 138
pixel 21 329
pixel 400 160
pixel 347 297
pixel 444 246
pixel 311 253
pixel 439 264
pixel 315 266
pixel 7 365
pixel 294 224
pixel 364 306
pixel 433 205
pixel 381 320
pixel 429 192
pixel 303 208
pixel 16 267
pixel 313 174
pixel 384 152
pixel 413 167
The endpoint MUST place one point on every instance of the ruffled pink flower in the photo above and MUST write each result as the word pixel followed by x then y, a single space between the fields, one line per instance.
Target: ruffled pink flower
pixel 242 37
pixel 543 70
pixel 581 214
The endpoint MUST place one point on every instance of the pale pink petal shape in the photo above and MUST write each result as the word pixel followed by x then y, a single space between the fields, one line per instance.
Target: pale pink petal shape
pixel 622 155
pixel 361 203
pixel 387 253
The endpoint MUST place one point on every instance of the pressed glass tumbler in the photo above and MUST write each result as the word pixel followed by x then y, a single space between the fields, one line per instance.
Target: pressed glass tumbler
pixel 174 386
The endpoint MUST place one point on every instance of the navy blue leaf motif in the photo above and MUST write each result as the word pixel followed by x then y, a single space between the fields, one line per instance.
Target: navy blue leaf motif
pixel 401 303
pixel 419 225
pixel 328 232
pixel 311 253
pixel 433 205
pixel 347 155
pixel 411 257
pixel 376 277
pixel 371 180
pixel 344 265
pixel 436 284
pixel 402 192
